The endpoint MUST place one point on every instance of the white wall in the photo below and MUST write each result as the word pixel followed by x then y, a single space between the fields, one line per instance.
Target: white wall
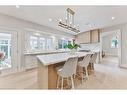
pixel 22 26
pixel 106 44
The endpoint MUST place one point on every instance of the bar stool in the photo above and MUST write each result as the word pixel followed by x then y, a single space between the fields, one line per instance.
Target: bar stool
pixel 93 60
pixel 84 64
pixel 67 71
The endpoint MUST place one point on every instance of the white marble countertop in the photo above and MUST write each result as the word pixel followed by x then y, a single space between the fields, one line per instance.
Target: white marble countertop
pixel 59 57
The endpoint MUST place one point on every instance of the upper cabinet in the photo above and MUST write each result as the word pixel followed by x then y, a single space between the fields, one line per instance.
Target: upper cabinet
pixel 83 37
pixel 92 36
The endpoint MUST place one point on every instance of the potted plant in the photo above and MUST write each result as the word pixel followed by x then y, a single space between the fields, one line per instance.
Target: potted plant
pixel 73 47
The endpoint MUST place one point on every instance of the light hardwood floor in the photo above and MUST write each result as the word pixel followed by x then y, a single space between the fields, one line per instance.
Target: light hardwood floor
pixel 107 76
pixel 22 80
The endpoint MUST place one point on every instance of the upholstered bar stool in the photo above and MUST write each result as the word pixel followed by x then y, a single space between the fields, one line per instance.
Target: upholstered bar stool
pixel 67 71
pixel 84 64
pixel 93 61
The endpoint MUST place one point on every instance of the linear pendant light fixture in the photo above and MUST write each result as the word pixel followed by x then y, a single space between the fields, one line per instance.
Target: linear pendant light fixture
pixel 68 23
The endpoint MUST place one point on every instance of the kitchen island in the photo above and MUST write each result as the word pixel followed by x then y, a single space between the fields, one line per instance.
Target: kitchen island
pixel 30 58
pixel 47 74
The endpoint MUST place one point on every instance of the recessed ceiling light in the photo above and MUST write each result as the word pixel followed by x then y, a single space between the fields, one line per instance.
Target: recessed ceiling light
pixel 113 17
pixel 17 6
pixel 50 19
pixel 60 19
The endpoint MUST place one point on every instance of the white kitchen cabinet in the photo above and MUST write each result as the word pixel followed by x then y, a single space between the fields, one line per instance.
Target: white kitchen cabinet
pixel 30 61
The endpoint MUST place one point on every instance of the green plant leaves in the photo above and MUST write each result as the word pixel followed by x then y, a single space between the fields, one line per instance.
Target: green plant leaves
pixel 72 46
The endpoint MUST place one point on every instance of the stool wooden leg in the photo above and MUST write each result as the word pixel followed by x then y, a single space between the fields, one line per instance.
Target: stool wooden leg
pixel 86 73
pixel 62 83
pixel 74 76
pixel 58 81
pixel 82 75
pixel 68 82
pixel 72 82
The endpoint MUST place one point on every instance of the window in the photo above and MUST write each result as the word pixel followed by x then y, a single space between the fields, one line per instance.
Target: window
pixel 33 42
pixel 49 43
pixel 62 43
pixel 40 43
pixel 114 42
pixel 5 46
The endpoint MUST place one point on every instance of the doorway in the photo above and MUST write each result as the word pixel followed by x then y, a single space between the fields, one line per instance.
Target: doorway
pixel 111 48
pixel 8 47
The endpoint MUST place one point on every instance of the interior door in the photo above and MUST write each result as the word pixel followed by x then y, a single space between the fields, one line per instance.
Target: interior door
pixel 8 46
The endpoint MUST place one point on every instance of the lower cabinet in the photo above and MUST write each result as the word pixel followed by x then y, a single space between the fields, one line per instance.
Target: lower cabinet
pixel 30 61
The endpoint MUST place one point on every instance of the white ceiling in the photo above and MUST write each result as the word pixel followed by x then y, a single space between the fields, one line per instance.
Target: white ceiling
pixel 88 17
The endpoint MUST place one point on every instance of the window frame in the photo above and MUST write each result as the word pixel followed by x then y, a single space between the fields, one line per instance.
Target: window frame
pixel 114 39
pixel 43 47
pixel 63 41
pixel 8 45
